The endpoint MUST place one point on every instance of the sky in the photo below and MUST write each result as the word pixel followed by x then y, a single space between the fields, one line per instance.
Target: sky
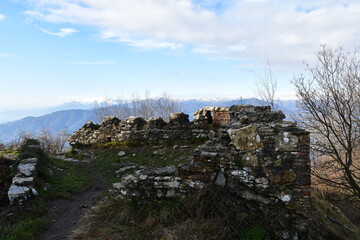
pixel 57 51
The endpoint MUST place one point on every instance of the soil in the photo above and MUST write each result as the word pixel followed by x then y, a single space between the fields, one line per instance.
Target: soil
pixel 64 215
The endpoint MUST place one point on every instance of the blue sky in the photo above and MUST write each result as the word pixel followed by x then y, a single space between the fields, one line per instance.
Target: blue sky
pixel 56 51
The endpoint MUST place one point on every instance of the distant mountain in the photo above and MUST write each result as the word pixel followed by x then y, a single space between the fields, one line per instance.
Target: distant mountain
pixel 70 120
pixel 73 119
pixel 12 115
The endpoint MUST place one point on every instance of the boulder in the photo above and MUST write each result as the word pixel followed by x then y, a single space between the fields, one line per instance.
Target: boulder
pixel 133 123
pixel 26 169
pixel 18 194
pixel 156 123
pixel 179 119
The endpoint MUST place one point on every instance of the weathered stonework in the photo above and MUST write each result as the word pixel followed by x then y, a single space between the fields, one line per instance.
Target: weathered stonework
pixel 250 150
pixel 22 187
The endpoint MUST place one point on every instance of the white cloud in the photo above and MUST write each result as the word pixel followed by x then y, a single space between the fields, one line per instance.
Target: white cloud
pixel 2 17
pixel 286 32
pixel 63 32
pixel 4 55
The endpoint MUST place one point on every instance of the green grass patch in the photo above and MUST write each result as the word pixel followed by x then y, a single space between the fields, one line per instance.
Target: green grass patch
pixel 256 233
pixel 23 222
pixel 27 221
pixel 108 160
pixel 68 178
pixel 75 154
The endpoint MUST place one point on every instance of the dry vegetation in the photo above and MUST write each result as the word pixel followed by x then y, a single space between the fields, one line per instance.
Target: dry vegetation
pixel 141 106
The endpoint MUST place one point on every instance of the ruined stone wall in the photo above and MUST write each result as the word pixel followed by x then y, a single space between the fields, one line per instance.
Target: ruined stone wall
pixel 137 129
pixel 250 151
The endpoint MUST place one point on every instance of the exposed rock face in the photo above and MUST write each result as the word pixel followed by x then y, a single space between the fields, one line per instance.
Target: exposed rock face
pixel 22 187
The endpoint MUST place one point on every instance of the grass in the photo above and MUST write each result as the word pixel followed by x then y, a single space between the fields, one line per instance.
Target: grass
pixel 75 154
pixel 201 216
pixel 64 179
pixel 26 222
pixel 212 214
pixel 69 178
pixel 255 233
pixel 330 221
pixel 23 222
pixel 108 161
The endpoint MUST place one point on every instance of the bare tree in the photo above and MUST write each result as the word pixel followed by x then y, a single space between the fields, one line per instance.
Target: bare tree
pixel 329 100
pixel 166 105
pixel 266 85
pixel 118 108
pixel 142 106
pixel 53 143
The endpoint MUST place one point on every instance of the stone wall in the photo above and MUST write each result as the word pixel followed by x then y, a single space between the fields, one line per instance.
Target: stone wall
pixel 22 187
pixel 250 150
pixel 137 129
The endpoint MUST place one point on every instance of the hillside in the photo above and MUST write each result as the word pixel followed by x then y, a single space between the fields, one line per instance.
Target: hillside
pixel 69 120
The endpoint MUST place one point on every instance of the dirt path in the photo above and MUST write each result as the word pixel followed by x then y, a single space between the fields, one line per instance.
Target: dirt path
pixel 64 215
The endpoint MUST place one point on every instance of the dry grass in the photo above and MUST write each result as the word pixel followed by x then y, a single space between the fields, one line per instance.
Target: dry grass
pixel 201 216
pixel 329 222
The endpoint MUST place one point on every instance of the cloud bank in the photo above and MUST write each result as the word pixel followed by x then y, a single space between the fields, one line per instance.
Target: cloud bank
pixel 286 32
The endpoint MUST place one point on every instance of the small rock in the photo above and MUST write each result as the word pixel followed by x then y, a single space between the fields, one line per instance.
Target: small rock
pixel 185 146
pixel 286 198
pixel 33 191
pixel 220 179
pixel 27 169
pixel 159 152
pixel 47 186
pixel 157 147
pixel 22 180
pixel 175 147
pixel 121 153
pixel 18 194
pixel 134 154
pixel 124 169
